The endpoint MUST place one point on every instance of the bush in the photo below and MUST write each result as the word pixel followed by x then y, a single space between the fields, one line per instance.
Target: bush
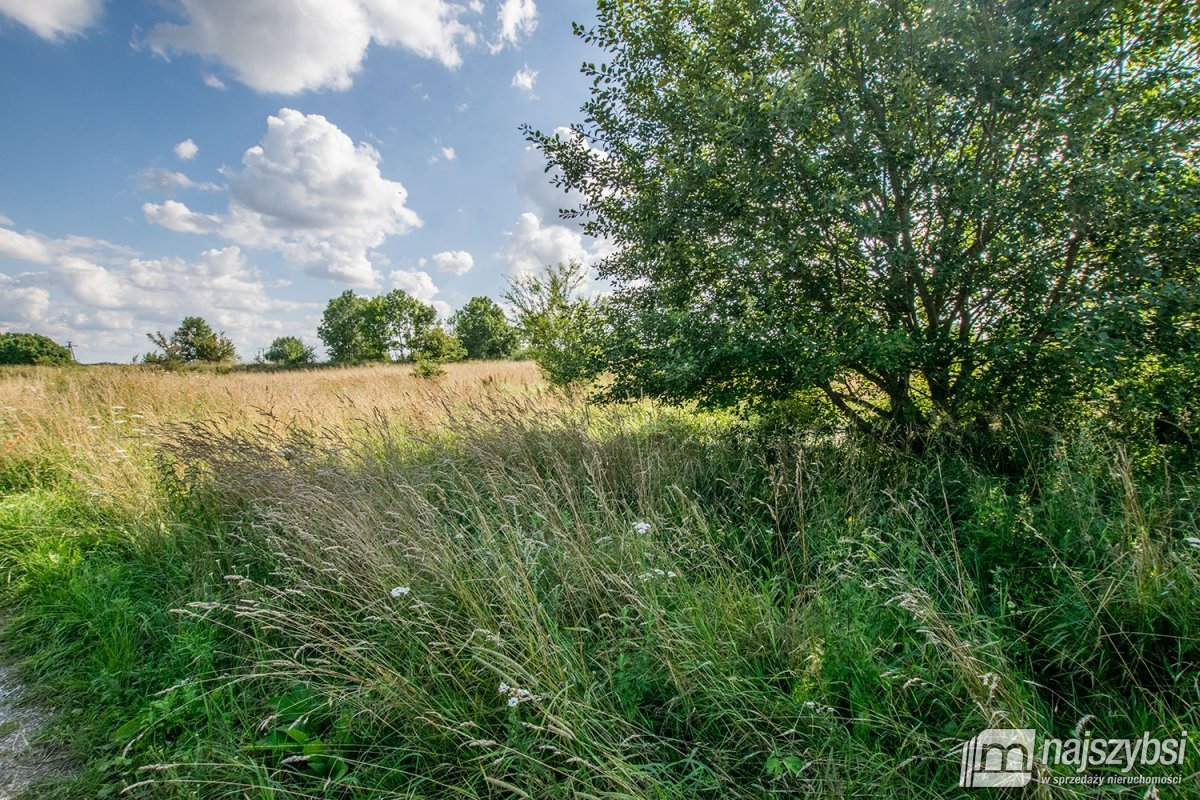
pixel 289 351
pixel 32 348
pixel 437 344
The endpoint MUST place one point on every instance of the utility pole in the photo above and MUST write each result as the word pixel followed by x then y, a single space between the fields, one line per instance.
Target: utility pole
pixel 71 348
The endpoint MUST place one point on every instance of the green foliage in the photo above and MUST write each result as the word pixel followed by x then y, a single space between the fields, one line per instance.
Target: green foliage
pixel 428 368
pixel 563 333
pixel 289 351
pixel 33 349
pixel 484 330
pixel 193 341
pixel 387 327
pixel 936 213
pixel 438 345
pixel 790 612
pixel 341 328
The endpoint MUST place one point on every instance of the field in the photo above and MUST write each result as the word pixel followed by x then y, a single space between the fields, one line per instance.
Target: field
pixel 359 584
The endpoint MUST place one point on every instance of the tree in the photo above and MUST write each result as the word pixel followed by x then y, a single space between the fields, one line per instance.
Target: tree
pixel 194 340
pixel 33 348
pixel 439 345
pixel 484 330
pixel 341 328
pixel 932 212
pixel 359 329
pixel 406 320
pixel 289 351
pixel 564 333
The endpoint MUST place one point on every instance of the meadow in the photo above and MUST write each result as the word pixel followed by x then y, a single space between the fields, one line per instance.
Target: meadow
pixel 354 583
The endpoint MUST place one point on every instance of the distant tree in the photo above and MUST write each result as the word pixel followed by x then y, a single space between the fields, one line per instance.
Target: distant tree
pixel 193 341
pixel 438 344
pixel 32 348
pixel 564 333
pixel 341 328
pixel 358 329
pixel 484 330
pixel 934 212
pixel 405 321
pixel 289 351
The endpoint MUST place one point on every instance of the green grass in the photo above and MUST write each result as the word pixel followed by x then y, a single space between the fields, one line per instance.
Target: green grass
pixel 802 617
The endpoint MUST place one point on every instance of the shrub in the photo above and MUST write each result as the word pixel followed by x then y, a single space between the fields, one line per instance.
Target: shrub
pixel 32 348
pixel 289 351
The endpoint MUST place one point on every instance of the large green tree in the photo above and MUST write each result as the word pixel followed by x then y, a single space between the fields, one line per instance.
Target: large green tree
pixel 484 330
pixel 358 329
pixel 928 210
pixel 193 341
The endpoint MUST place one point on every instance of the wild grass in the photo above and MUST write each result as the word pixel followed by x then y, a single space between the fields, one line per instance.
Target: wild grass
pixel 385 588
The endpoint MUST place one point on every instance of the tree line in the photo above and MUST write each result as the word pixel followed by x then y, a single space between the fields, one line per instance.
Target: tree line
pixel 391 327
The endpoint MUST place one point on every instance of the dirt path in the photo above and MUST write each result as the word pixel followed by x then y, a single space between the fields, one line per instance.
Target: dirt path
pixel 22 760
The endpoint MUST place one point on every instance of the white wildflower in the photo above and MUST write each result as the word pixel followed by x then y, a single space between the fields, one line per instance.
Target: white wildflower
pixel 513 701
pixel 400 591
pixel 1193 541
pixel 641 528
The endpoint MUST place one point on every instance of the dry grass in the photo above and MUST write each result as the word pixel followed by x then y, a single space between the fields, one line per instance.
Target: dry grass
pixel 102 424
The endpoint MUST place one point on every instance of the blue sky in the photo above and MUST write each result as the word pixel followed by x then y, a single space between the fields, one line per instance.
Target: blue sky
pixel 246 160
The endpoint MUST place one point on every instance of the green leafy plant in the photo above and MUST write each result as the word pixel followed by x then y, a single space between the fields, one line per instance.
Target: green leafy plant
pixel 34 349
pixel 936 213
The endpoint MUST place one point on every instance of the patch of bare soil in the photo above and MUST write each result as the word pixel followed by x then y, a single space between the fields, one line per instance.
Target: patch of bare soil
pixel 23 759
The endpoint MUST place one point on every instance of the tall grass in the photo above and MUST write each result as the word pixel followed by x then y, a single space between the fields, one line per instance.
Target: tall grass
pixel 506 594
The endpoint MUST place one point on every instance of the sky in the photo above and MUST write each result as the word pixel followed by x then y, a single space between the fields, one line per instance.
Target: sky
pixel 247 160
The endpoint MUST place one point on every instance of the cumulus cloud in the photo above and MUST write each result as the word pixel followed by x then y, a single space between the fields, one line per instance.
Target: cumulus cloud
pixel 165 181
pixel 309 192
pixel 24 247
pixel 213 82
pixel 5 220
pixel 290 46
pixel 457 262
pixel 176 216
pixel 417 283
pixel 186 150
pixel 525 80
pixel 21 306
pixel 532 244
pixel 54 19
pixel 105 297
pixel 518 19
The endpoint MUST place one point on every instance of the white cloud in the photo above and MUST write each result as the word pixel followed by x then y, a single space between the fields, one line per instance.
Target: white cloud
pixel 457 262
pixel 4 220
pixel 309 192
pixel 168 182
pixel 525 79
pixel 429 28
pixel 54 19
pixel 186 150
pixel 419 284
pixel 105 297
pixel 290 46
pixel 533 245
pixel 24 247
pixel 449 154
pixel 21 306
pixel 176 216
pixel 518 18
pixel 213 82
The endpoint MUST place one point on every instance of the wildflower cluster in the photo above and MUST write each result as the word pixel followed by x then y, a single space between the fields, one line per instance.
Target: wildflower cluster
pixel 516 696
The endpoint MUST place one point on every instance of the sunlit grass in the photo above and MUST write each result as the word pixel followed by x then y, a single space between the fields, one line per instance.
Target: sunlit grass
pixel 360 584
